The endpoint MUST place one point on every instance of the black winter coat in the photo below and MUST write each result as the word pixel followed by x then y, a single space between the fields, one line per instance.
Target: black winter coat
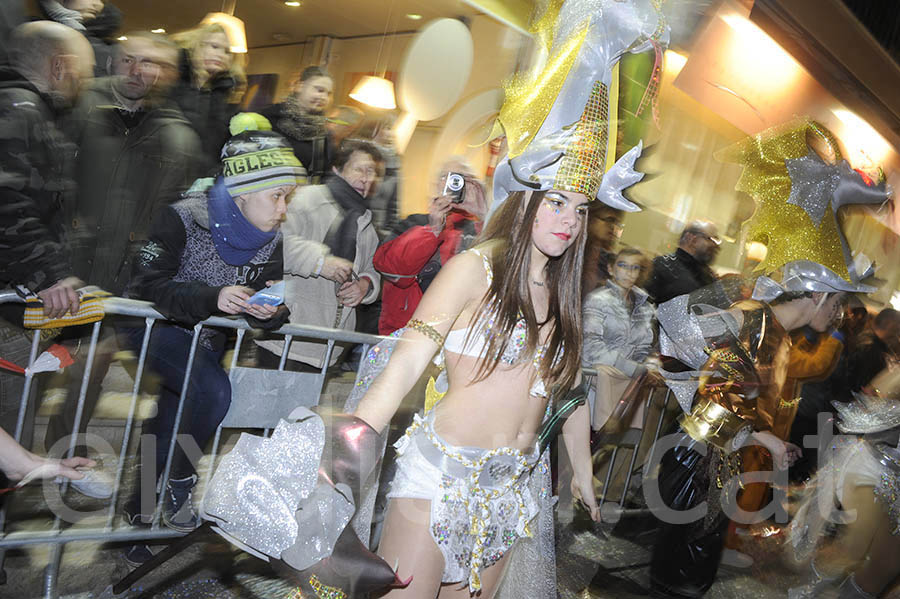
pixel 314 153
pixel 124 176
pixel 207 110
pixel 677 274
pixel 36 187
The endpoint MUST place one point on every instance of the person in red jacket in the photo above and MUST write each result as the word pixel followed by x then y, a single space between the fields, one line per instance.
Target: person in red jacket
pixel 421 243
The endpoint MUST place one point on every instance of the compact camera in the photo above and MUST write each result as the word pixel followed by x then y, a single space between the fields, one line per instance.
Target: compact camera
pixel 454 187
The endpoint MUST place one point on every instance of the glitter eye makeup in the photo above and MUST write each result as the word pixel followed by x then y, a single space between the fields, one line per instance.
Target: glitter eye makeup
pixel 555 202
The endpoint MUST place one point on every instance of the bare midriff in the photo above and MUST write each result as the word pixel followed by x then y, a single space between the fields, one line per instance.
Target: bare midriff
pixel 498 411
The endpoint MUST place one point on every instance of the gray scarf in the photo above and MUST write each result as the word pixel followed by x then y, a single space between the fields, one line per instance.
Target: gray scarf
pixel 298 123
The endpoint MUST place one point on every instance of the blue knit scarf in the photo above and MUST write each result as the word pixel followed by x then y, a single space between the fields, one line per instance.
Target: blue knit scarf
pixel 236 240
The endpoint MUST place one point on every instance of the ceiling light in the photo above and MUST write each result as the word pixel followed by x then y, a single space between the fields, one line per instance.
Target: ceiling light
pixel 414 16
pixel 867 148
pixel 376 92
pixel 291 3
pixel 160 30
pixel 122 38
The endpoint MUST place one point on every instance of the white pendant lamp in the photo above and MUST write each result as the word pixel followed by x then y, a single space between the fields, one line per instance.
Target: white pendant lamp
pixel 376 92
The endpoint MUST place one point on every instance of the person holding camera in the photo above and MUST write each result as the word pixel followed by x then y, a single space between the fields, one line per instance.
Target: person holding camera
pixel 421 243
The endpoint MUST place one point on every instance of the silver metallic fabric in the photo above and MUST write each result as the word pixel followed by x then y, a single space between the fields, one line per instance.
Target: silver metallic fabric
pixel 614 28
pixel 683 334
pixel 483 502
pixel 887 491
pixel 868 414
pixel 266 494
pixel 614 333
pixel 812 184
pixel 805 275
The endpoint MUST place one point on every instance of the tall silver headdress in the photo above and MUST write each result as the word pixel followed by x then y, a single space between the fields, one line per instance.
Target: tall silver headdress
pixel 560 121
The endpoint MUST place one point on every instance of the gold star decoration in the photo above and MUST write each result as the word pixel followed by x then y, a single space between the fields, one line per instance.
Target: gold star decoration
pixel 783 220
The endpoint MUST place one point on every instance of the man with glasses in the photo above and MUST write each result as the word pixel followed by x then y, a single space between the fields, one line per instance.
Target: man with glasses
pixel 687 269
pixel 137 153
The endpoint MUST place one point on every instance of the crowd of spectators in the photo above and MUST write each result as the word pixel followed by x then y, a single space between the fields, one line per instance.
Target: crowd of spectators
pixel 117 170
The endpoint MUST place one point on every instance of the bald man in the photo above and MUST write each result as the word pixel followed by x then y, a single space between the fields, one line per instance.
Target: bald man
pixel 48 62
pixel 687 269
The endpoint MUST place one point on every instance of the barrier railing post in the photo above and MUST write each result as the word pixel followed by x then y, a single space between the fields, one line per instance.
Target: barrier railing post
pixel 82 392
pixel 26 389
pixel 634 453
pixel 285 352
pixel 79 413
pixel 218 435
pixel 129 421
pixel 659 425
pixel 51 572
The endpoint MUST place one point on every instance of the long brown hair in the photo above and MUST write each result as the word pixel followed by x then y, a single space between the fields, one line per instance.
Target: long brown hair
pixel 507 240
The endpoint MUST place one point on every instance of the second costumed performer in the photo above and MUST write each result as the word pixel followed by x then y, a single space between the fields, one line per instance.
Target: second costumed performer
pixel 737 356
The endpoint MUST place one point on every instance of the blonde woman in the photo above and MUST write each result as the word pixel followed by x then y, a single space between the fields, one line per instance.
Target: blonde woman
pixel 210 83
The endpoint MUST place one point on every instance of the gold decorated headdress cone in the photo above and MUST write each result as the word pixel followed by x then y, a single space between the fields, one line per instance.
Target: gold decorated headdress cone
pixel 787 229
pixel 584 161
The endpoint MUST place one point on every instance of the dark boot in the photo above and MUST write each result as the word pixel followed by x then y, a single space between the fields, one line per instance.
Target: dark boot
pixel 351 457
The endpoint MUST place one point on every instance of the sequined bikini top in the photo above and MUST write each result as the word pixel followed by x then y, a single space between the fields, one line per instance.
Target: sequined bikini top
pixel 475 345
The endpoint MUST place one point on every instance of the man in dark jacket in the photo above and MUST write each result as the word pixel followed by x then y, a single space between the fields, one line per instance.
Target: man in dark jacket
pixel 301 119
pixel 47 64
pixel 687 269
pixel 137 153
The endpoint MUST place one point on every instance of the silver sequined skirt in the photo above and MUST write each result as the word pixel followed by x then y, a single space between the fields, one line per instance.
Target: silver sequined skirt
pixel 482 500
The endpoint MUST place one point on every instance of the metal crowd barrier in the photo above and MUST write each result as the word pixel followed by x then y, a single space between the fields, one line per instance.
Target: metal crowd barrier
pixel 58 535
pixel 631 440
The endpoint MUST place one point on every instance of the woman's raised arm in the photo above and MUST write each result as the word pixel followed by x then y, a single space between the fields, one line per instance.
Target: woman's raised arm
pixel 460 284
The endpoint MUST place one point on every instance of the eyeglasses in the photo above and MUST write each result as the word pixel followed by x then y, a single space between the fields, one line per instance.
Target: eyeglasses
pixel 715 240
pixel 628 267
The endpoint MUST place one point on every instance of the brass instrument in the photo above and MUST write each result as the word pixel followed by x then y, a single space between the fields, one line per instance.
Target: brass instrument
pixel 710 423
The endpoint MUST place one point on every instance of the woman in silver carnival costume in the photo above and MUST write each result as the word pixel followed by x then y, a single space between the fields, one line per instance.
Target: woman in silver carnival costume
pixel 857 489
pixel 736 357
pixel 470 509
pixel 506 319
